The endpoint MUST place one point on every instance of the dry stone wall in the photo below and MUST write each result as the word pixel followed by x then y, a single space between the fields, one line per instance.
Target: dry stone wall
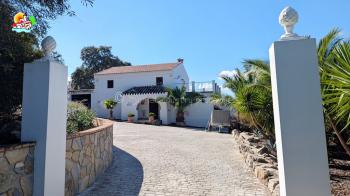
pixel 16 169
pixel 259 159
pixel 88 154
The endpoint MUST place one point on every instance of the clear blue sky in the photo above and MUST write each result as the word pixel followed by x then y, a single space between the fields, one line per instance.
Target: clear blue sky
pixel 211 36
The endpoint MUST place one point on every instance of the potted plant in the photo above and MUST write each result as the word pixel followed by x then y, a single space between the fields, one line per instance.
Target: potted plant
pixel 109 105
pixel 131 117
pixel 151 116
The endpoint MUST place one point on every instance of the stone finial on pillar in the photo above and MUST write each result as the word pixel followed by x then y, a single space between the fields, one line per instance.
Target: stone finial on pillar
pixel 288 18
pixel 48 45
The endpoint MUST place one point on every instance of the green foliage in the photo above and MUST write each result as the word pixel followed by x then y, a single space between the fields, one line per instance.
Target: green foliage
pixel 19 48
pixel 16 49
pixel 44 11
pixel 79 117
pixel 131 114
pixel 151 114
pixel 94 59
pixel 253 96
pixel 58 57
pixel 222 100
pixel 337 84
pixel 81 79
pixel 180 99
pixel 109 104
pixel 334 62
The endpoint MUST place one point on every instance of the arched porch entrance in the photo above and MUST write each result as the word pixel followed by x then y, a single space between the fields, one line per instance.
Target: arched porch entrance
pixel 146 106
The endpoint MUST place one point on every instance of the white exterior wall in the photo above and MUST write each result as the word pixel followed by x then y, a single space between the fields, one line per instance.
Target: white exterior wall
pixel 198 114
pixel 126 81
pixel 179 76
pixel 171 114
pixel 163 111
pixel 129 105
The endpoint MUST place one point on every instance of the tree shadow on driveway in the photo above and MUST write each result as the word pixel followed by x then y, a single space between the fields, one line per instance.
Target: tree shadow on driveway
pixel 124 177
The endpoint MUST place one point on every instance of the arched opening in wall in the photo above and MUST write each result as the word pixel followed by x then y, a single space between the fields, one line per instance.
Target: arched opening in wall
pixel 146 106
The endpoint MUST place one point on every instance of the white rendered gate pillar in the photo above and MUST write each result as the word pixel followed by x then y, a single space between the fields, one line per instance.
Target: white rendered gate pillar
pixel 299 126
pixel 44 120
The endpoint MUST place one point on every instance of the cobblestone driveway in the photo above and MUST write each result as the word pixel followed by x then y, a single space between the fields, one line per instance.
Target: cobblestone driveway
pixel 162 160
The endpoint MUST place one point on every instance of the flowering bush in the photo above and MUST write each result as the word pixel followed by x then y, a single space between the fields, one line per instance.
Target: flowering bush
pixel 79 117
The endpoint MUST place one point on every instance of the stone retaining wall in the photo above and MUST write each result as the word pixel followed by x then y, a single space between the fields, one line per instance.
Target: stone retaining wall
pixel 16 169
pixel 258 157
pixel 88 154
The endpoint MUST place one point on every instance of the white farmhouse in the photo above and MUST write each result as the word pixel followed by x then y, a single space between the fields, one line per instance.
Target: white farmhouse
pixel 136 89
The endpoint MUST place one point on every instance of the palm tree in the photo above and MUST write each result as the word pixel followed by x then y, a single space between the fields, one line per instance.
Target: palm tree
pixel 252 90
pixel 180 99
pixel 334 63
pixel 252 96
pixel 109 105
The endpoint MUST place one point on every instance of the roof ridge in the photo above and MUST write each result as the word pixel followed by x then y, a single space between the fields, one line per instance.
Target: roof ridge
pixel 156 64
pixel 139 68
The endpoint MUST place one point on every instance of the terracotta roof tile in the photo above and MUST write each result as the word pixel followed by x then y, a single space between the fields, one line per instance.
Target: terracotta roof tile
pixel 139 68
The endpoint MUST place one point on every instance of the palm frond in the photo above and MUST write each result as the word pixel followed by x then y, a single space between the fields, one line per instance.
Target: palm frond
pixel 336 84
pixel 327 44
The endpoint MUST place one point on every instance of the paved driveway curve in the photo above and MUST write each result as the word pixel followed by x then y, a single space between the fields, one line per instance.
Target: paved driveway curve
pixel 162 160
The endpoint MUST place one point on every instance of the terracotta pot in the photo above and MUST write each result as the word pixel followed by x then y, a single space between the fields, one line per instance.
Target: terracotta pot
pixel 150 119
pixel 130 119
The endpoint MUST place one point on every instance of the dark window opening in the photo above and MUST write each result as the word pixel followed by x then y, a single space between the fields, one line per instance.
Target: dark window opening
pixel 110 84
pixel 159 81
pixel 84 98
pixel 154 108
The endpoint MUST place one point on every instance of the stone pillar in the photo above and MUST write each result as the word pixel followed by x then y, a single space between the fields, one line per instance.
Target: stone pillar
pixel 299 126
pixel 44 118
pixel 193 86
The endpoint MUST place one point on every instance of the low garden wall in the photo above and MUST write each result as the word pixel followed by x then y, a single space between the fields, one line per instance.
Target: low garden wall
pixel 16 169
pixel 259 159
pixel 88 154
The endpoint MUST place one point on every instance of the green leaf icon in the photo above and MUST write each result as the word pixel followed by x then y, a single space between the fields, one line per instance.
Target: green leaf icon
pixel 32 20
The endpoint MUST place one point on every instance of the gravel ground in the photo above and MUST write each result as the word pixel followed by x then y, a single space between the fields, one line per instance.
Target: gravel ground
pixel 340 177
pixel 163 160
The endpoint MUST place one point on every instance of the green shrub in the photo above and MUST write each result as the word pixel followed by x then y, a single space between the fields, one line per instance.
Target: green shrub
pixel 79 117
pixel 110 104
pixel 151 114
pixel 131 114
